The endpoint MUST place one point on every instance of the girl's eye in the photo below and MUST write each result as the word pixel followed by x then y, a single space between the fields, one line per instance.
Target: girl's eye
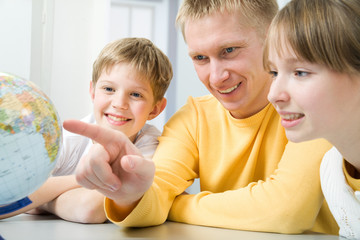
pixel 273 74
pixel 301 73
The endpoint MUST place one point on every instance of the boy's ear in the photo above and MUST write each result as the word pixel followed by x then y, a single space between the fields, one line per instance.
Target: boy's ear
pixel 92 91
pixel 158 108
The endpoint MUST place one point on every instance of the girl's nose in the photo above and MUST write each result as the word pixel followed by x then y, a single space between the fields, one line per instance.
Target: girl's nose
pixel 278 92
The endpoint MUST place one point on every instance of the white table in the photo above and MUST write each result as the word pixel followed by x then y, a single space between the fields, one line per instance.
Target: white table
pixel 49 227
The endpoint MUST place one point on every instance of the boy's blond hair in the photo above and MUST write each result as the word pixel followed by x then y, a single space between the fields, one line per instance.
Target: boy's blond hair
pixel 325 32
pixel 148 60
pixel 255 13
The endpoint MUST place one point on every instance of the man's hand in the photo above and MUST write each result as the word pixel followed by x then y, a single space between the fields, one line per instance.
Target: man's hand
pixel 113 166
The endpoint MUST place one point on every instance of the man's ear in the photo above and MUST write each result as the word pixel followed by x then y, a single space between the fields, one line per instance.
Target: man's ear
pixel 158 108
pixel 92 91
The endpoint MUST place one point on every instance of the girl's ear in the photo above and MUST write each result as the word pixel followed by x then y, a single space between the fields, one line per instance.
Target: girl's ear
pixel 158 108
pixel 92 91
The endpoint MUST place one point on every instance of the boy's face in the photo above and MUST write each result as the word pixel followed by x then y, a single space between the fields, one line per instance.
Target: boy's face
pixel 122 100
pixel 312 100
pixel 227 57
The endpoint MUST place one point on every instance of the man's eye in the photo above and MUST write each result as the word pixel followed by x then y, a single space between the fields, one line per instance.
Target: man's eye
pixel 199 57
pixel 230 49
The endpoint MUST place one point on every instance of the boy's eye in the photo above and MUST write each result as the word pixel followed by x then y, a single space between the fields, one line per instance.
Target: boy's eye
pixel 109 89
pixel 137 95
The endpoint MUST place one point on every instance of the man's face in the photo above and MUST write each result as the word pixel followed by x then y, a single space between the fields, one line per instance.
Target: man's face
pixel 227 57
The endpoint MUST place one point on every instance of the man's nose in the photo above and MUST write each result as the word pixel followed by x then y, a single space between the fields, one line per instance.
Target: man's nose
pixel 218 72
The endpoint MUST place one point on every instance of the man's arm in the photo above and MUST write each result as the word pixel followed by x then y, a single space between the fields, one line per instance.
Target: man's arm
pixel 288 201
pixel 52 188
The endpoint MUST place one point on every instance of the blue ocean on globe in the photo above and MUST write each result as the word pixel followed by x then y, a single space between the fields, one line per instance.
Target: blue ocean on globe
pixel 30 140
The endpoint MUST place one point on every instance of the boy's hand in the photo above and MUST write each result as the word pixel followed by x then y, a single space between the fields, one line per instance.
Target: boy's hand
pixel 113 166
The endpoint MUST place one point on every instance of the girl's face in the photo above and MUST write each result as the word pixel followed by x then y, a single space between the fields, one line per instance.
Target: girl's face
pixel 312 100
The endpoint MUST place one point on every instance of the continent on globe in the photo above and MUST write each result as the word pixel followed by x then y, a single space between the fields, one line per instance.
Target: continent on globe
pixel 30 140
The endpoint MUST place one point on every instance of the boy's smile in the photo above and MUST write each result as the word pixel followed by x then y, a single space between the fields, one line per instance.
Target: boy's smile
pixel 117 120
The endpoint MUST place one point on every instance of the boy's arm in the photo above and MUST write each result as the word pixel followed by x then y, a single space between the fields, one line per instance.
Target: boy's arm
pixel 78 205
pixel 52 188
pixel 114 166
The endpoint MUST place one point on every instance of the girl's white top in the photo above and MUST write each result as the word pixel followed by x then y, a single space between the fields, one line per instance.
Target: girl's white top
pixel 343 202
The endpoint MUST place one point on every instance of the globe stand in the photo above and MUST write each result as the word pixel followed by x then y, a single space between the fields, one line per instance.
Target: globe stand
pixel 12 207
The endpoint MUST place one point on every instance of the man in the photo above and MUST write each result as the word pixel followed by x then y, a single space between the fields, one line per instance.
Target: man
pixel 251 177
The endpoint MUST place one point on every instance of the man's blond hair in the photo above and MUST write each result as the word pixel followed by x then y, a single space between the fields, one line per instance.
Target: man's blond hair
pixel 253 13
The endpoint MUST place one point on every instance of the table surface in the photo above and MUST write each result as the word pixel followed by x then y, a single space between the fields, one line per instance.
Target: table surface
pixel 49 227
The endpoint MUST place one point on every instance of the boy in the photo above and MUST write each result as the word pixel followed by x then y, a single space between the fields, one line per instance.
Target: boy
pixel 130 78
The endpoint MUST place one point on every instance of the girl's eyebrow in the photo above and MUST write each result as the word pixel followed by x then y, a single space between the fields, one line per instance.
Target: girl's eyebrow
pixel 293 60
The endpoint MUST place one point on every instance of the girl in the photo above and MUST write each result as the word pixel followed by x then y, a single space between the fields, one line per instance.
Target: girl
pixel 313 53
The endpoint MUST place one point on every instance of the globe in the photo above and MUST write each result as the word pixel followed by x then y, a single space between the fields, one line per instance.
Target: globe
pixel 30 140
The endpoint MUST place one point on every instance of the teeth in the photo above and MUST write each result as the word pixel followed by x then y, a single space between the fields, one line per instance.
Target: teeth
pixel 292 116
pixel 117 118
pixel 230 89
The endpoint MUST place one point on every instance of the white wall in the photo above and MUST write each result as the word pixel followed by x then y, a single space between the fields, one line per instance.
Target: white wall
pixel 54 43
pixel 15 40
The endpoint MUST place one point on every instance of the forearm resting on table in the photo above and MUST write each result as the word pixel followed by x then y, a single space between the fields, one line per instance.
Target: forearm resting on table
pixel 78 205
pixel 51 189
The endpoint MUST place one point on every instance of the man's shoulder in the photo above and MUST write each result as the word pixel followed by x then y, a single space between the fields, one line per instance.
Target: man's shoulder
pixel 206 99
pixel 203 102
pixel 316 147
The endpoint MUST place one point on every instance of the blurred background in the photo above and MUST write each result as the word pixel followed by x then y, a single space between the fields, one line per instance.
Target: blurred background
pixel 55 42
